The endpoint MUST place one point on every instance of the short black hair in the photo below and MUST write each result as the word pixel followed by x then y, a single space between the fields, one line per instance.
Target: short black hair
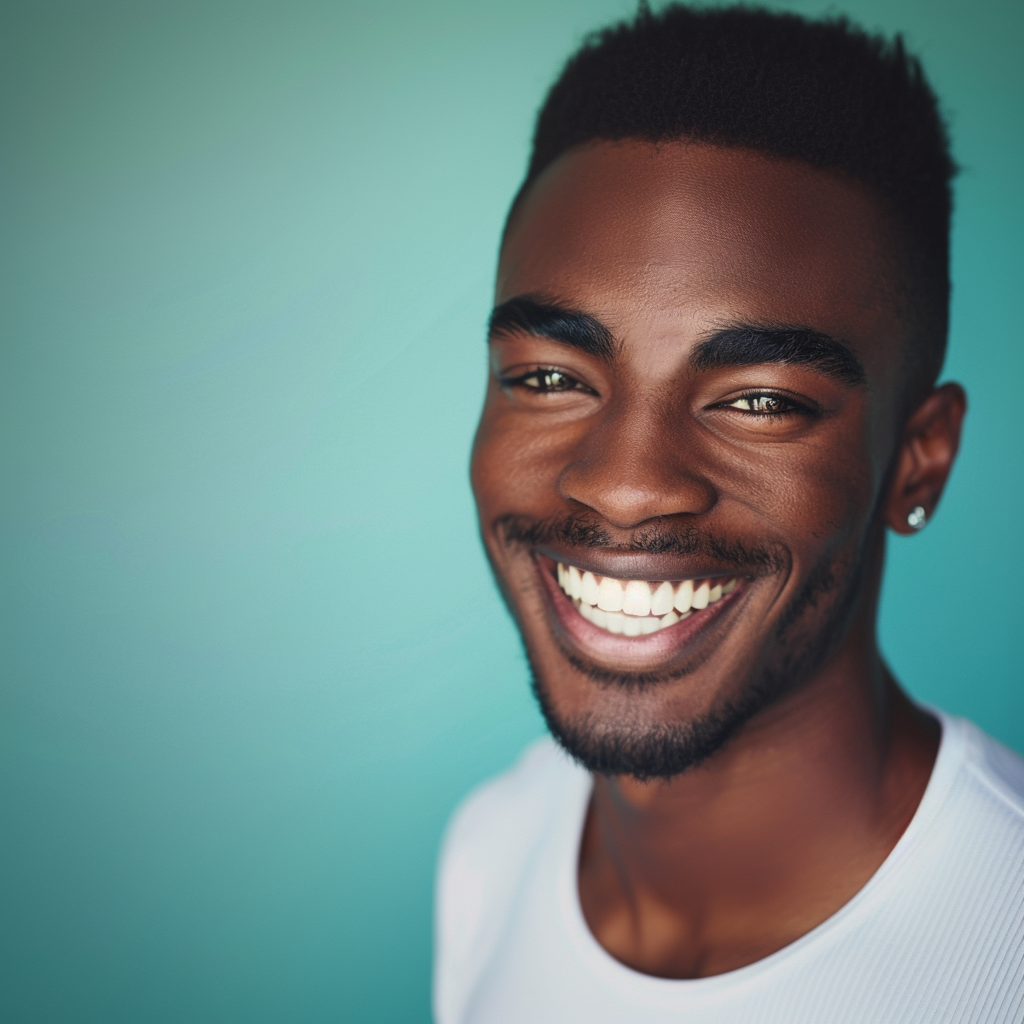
pixel 821 91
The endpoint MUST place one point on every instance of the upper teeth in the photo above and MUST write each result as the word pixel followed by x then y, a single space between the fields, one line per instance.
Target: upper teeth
pixel 635 607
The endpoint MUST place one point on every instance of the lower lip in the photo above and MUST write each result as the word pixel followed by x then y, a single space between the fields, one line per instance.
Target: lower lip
pixel 649 649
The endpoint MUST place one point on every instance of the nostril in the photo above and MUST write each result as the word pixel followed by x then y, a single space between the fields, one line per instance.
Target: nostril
pixel 626 504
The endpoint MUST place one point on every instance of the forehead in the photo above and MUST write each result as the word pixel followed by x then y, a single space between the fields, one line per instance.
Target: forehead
pixel 686 234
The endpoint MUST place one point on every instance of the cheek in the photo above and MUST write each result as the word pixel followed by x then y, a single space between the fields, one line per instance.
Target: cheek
pixel 513 469
pixel 812 494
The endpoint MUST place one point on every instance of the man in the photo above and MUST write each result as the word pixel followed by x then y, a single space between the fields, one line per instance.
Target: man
pixel 721 310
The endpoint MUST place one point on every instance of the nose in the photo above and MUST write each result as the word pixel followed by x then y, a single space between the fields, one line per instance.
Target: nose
pixel 630 468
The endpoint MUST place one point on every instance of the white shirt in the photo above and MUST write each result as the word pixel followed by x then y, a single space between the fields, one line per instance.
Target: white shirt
pixel 937 934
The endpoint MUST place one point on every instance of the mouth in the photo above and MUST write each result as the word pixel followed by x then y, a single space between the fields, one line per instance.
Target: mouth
pixel 634 619
pixel 639 607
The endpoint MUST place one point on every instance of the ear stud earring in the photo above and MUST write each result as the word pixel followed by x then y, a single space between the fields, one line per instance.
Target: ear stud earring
pixel 917 518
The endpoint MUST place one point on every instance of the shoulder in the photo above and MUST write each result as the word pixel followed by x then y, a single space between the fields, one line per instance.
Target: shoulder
pixel 996 771
pixel 487 846
pixel 494 829
pixel 948 908
pixel 972 827
pixel 505 807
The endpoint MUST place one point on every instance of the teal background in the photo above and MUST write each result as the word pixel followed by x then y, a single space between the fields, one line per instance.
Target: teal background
pixel 251 653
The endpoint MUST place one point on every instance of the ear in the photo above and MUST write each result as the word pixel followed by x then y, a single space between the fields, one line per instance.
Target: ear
pixel 925 456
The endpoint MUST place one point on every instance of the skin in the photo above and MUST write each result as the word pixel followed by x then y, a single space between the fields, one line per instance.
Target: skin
pixel 730 861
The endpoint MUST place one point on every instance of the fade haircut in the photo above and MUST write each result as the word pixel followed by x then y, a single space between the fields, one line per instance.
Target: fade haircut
pixel 821 91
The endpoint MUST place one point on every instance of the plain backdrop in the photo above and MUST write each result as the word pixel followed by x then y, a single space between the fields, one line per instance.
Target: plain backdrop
pixel 251 653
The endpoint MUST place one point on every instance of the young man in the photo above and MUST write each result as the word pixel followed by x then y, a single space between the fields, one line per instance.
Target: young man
pixel 721 311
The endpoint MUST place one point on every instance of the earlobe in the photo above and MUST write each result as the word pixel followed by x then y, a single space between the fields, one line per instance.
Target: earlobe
pixel 925 457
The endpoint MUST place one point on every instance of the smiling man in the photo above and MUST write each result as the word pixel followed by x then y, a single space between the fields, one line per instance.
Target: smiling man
pixel 721 310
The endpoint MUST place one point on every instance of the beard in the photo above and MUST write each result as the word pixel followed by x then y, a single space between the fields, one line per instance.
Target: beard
pixel 649 750
pixel 809 628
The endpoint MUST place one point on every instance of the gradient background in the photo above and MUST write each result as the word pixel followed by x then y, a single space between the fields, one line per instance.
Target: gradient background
pixel 251 652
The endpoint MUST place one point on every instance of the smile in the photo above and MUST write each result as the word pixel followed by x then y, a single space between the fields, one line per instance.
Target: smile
pixel 638 607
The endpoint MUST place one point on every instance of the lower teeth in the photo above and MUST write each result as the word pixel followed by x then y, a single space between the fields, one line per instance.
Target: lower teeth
pixel 628 625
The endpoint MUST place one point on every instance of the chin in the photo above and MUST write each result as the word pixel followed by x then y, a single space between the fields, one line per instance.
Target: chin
pixel 651 677
pixel 642 734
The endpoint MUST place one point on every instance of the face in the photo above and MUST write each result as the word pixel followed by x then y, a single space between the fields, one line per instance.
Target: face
pixel 689 440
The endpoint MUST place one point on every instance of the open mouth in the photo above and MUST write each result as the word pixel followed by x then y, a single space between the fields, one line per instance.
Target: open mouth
pixel 638 607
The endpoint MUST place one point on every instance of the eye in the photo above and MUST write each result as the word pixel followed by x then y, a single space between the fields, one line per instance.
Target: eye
pixel 765 403
pixel 544 380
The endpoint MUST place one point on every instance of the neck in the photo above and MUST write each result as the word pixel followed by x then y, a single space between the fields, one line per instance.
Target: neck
pixel 727 863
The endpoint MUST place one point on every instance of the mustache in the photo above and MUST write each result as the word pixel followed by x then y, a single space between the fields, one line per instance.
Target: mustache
pixel 659 537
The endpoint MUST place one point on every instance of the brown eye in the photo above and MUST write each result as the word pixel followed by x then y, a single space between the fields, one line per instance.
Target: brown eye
pixel 544 381
pixel 763 404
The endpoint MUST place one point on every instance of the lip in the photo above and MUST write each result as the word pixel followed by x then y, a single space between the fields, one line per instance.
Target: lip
pixel 652 651
pixel 629 565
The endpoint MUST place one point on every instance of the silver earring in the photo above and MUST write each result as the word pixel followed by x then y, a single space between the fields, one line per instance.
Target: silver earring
pixel 917 518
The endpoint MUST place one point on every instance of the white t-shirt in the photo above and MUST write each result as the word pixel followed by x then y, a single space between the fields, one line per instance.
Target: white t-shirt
pixel 937 934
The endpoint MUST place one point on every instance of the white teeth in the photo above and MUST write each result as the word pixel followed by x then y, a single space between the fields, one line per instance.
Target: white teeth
pixel 684 597
pixel 637 599
pixel 629 607
pixel 616 622
pixel 609 595
pixel 631 627
pixel 662 598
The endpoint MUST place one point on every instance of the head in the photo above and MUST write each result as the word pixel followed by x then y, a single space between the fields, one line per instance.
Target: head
pixel 720 313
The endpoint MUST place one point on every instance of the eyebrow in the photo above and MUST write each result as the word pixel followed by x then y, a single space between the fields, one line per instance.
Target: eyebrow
pixel 544 318
pixel 736 345
pixel 748 344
